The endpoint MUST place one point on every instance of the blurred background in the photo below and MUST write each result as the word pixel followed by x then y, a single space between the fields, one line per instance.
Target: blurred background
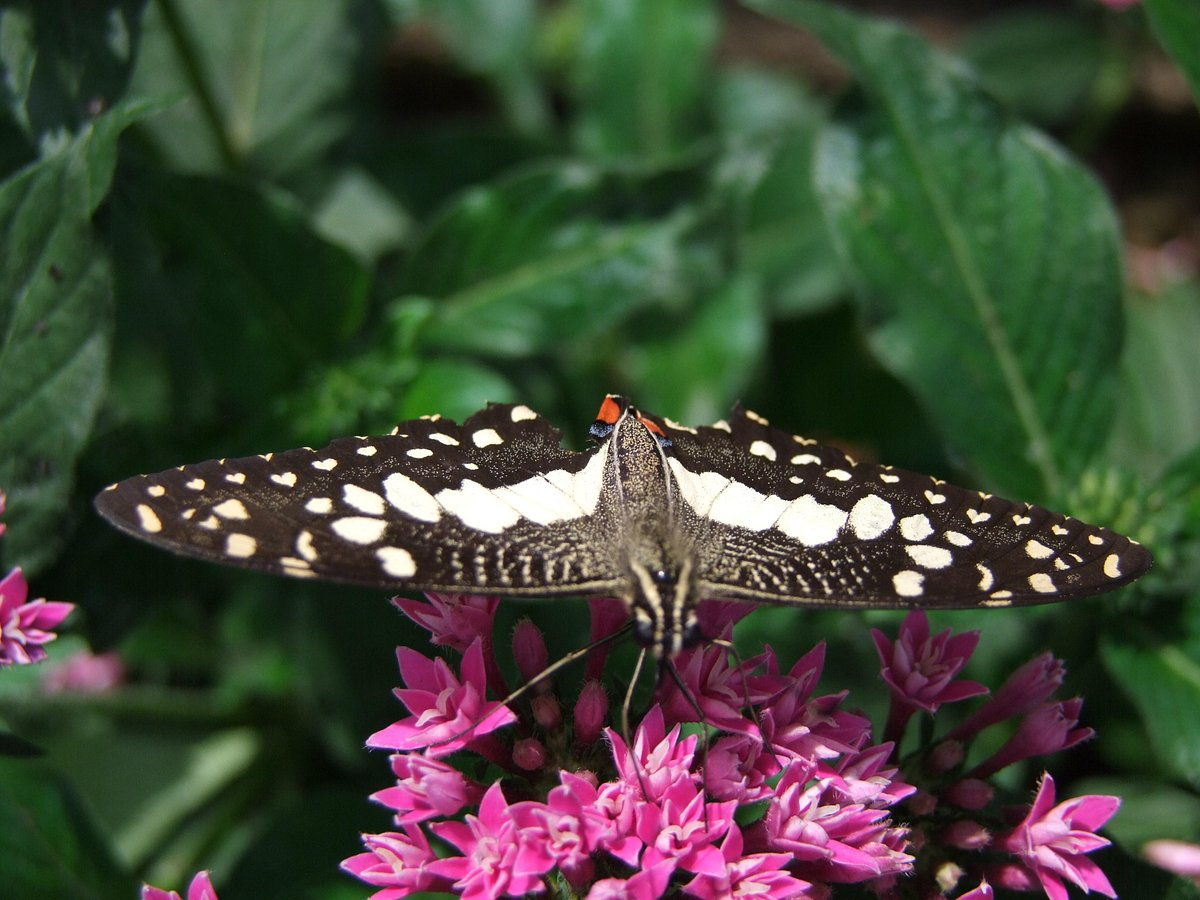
pixel 958 237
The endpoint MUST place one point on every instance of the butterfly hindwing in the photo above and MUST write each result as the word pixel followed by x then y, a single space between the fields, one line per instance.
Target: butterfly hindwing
pixel 493 504
pixel 782 519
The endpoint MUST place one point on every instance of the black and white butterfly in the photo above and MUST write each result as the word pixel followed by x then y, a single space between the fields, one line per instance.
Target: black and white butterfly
pixel 656 513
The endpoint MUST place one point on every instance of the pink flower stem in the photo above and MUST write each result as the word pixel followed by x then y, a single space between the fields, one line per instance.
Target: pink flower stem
pixel 495 678
pixel 898 715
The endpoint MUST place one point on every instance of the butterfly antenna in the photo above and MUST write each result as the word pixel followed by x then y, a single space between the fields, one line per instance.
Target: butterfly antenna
pixel 625 704
pixel 732 650
pixel 560 663
pixel 669 666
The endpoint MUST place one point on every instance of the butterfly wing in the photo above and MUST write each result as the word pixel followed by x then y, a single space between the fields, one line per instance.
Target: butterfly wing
pixel 781 519
pixel 495 504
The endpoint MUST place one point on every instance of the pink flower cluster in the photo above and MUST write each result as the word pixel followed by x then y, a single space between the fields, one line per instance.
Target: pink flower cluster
pixel 25 624
pixel 782 793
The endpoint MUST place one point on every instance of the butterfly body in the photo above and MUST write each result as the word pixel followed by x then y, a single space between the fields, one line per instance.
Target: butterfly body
pixel 657 514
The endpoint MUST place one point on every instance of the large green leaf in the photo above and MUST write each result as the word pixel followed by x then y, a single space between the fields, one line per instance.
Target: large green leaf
pixel 639 74
pixel 258 81
pixel 55 331
pixel 49 845
pixel 987 259
pixel 541 260
pixel 233 285
pixel 1177 24
pixel 1163 682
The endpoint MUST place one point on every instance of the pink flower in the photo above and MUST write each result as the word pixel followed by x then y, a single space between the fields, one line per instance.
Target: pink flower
pixel 658 761
pixel 865 777
pixel 683 826
pixel 1051 841
pixel 447 714
pixel 737 767
pixel 718 688
pixel 1178 857
pixel 3 504
pixel 425 789
pixel 1048 729
pixel 398 863
pixel 920 669
pixel 759 875
pixel 837 842
pixel 496 859
pixel 983 892
pixel 564 831
pixel 1022 691
pixel 200 889
pixel 85 673
pixel 25 627
pixel 452 620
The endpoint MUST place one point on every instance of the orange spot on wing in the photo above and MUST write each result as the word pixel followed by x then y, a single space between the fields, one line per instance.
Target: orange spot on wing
pixel 610 411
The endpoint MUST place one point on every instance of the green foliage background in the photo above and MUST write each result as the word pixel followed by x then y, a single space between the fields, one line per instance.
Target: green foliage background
pixel 232 226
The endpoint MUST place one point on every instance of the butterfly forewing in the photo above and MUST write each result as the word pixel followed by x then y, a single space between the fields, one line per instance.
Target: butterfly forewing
pixel 787 520
pixel 494 504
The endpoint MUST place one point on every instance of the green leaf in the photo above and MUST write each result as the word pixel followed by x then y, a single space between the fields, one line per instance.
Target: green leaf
pixel 232 285
pixel 542 260
pixel 987 260
pixel 639 74
pixel 1158 419
pixel 1163 682
pixel 1042 64
pixel 55 331
pixel 64 61
pixel 1177 24
pixel 708 360
pixel 258 81
pixel 50 847
pixel 455 389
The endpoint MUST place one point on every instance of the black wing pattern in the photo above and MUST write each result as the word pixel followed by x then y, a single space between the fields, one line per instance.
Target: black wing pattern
pixel 495 504
pixel 782 519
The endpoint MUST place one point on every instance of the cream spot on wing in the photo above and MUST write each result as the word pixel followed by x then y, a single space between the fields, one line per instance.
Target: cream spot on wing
pixel 1037 550
pixel 196 484
pixel 935 499
pixel 976 516
pixel 320 505
pixel 478 508
pixel 522 414
pixel 486 437
pixel 998 599
pixel 419 452
pixel 148 519
pixel 908 583
pixel 1042 583
pixel 444 439
pixel 929 557
pixel 327 465
pixel 807 442
pixel 721 425
pixel 838 474
pixel 958 539
pixel 1059 530
pixel 410 498
pixel 888 478
pixel 368 450
pixel 470 466
pixel 805 459
pixel 396 562
pixel 363 500
pixel 985 577
pixel 212 523
pixel 233 508
pixel 359 529
pixel 1095 539
pixel 236 477
pixel 304 545
pixel 870 517
pixel 187 513
pixel 156 490
pixel 297 568
pixel 1021 520
pixel 240 546
pixel 1001 595
pixel 763 449
pixel 740 505
pixel 1112 566
pixel 796 479
pixel 811 522
pixel 1061 565
pixel 915 528
pixel 287 479
pixel 755 417
pixel 671 423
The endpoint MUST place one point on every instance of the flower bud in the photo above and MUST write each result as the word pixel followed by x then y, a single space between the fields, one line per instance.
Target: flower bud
pixel 529 754
pixel 546 712
pixel 966 835
pixel 590 711
pixel 529 651
pixel 946 756
pixel 970 793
